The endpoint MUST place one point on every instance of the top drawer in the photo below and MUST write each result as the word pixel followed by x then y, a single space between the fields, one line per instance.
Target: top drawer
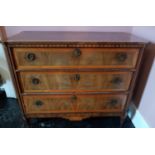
pixel 26 58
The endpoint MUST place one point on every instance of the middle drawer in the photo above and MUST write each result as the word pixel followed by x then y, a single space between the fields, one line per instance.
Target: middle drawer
pixel 74 81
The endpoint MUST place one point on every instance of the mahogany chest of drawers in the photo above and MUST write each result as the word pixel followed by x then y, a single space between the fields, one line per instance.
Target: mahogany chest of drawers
pixel 74 75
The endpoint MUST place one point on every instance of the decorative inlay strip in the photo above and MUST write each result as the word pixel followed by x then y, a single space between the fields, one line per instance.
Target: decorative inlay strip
pixel 74 44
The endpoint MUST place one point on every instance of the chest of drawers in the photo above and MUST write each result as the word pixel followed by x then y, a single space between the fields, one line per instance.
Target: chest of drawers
pixel 74 75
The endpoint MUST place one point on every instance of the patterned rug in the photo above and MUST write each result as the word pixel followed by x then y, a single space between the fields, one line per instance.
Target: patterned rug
pixel 11 117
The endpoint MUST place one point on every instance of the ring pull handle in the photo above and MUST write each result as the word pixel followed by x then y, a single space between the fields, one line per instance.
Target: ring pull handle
pixel 121 57
pixel 113 102
pixel 117 80
pixel 38 103
pixel 35 81
pixel 30 57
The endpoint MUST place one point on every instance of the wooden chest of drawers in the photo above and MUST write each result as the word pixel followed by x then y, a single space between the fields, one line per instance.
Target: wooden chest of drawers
pixel 74 75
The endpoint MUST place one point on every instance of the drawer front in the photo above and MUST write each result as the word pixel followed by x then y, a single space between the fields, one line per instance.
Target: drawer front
pixel 73 103
pixel 74 81
pixel 26 58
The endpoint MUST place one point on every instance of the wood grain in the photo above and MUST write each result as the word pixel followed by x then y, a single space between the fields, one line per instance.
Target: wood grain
pixel 65 58
pixel 72 37
pixel 67 82
pixel 67 103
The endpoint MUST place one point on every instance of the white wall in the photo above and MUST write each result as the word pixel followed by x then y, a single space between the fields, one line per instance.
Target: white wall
pixel 4 70
pixel 146 32
pixel 147 104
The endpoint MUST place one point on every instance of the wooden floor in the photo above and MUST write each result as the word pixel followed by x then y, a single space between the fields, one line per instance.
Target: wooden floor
pixel 11 117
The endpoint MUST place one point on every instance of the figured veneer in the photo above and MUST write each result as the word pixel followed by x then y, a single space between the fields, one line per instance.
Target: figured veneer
pixel 74 81
pixel 75 75
pixel 73 103
pixel 28 58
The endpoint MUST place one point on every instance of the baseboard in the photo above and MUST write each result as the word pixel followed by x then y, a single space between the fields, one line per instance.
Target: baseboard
pixel 137 118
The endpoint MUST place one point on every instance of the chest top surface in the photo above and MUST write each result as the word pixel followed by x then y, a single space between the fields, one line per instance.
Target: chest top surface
pixel 51 36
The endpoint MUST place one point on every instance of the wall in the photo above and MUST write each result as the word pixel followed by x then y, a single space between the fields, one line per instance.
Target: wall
pixel 146 32
pixel 4 70
pixel 147 103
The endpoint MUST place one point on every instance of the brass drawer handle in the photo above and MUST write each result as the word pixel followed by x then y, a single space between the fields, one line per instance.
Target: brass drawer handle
pixel 117 80
pixel 77 77
pixel 121 57
pixel 38 103
pixel 113 102
pixel 30 57
pixel 35 81
pixel 74 98
pixel 77 52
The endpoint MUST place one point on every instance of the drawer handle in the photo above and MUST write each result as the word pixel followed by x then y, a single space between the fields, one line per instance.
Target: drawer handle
pixel 113 102
pixel 39 103
pixel 77 77
pixel 74 98
pixel 77 52
pixel 30 57
pixel 121 57
pixel 35 81
pixel 117 80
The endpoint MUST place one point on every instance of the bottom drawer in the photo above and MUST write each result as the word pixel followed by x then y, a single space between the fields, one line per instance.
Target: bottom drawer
pixel 38 104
